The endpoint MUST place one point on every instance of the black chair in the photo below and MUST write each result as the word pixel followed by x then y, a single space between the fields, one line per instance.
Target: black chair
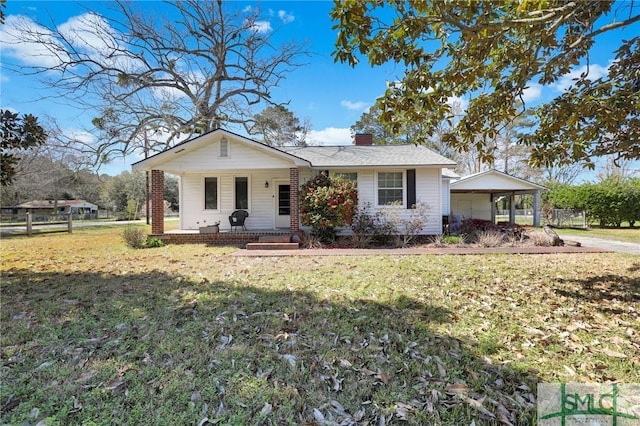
pixel 237 218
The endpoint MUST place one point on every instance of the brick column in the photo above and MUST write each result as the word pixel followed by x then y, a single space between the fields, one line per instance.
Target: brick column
pixel 294 184
pixel 157 202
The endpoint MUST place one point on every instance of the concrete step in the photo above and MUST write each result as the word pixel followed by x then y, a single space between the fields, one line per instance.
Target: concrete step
pixel 273 246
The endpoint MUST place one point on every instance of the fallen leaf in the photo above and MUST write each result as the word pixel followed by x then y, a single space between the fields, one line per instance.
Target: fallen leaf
pixel 612 353
pixel 457 389
pixel 318 415
pixel 266 409
pixel 477 404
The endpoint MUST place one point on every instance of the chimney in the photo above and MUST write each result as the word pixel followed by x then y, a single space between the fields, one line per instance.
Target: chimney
pixel 364 139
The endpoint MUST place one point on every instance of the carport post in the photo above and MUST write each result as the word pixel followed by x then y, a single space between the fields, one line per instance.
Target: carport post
pixel 536 209
pixel 512 208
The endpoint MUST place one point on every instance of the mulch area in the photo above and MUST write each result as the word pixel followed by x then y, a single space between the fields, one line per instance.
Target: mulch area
pixel 420 251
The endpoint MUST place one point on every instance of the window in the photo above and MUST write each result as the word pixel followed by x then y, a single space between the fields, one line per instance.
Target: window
pixel 211 193
pixel 351 177
pixel 224 148
pixel 242 193
pixel 390 188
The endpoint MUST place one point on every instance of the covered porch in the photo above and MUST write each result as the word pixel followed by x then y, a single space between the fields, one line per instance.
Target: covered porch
pixel 274 203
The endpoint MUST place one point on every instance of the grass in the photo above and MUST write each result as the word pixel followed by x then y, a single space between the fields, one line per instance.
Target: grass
pixel 92 332
pixel 631 235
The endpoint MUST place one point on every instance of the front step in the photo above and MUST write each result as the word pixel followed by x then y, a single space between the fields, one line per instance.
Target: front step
pixel 273 246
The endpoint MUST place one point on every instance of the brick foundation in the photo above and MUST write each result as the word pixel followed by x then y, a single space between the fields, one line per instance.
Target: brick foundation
pixel 237 239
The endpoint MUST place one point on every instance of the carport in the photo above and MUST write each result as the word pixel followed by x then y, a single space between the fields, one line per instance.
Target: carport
pixel 474 196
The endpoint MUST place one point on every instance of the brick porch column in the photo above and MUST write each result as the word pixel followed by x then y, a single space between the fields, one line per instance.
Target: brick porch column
pixel 294 184
pixel 157 202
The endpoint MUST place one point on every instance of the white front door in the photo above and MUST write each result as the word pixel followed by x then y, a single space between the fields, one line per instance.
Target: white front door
pixel 282 204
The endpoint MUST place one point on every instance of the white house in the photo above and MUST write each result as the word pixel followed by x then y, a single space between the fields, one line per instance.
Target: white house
pixel 221 172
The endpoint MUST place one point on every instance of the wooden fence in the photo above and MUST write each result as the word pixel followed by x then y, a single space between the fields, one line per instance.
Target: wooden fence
pixel 58 222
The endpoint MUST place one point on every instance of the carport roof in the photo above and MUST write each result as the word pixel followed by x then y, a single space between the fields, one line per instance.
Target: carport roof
pixel 493 181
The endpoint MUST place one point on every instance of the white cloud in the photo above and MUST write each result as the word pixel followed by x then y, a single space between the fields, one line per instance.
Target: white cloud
pixel 261 26
pixel 595 71
pixel 354 106
pixel 532 92
pixel 286 17
pixel 80 136
pixel 35 45
pixel 20 36
pixel 330 136
pixel 89 32
pixel 456 101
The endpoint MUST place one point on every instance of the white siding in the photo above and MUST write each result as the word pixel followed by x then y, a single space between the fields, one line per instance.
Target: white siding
pixel 471 206
pixel 241 156
pixel 428 193
pixel 261 204
pixel 446 197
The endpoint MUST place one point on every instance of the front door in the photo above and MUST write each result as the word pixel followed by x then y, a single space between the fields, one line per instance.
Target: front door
pixel 283 205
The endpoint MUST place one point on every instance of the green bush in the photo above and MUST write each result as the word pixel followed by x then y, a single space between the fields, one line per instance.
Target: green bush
pixel 327 203
pixel 610 202
pixel 154 242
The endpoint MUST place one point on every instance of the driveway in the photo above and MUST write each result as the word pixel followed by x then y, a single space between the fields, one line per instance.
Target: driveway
pixel 616 246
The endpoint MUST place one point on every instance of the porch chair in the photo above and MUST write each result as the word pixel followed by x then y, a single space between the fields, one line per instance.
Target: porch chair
pixel 237 218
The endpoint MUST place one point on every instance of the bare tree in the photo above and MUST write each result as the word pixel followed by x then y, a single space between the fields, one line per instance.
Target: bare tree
pixel 155 81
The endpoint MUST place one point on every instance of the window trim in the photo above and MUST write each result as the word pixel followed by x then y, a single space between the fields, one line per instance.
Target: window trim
pixel 204 194
pixel 404 188
pixel 248 177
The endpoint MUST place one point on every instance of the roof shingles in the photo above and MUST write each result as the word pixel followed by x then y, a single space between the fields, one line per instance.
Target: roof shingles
pixel 373 155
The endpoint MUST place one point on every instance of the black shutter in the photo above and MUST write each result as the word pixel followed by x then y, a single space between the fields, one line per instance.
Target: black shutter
pixel 411 188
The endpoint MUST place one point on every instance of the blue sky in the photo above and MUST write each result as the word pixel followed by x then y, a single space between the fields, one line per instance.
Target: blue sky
pixel 331 95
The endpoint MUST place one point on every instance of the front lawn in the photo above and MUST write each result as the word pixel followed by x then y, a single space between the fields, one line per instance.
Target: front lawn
pixel 92 332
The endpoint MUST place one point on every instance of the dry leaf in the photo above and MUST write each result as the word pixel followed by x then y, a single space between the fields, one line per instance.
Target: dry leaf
pixel 318 415
pixel 457 389
pixel 612 353
pixel 477 404
pixel 266 409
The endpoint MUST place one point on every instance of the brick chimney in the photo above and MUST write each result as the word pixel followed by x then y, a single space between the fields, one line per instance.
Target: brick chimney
pixel 364 139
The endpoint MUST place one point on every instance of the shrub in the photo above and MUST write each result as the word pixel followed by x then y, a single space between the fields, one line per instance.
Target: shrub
pixel 327 203
pixel 134 236
pixel 310 241
pixel 489 238
pixel 452 239
pixel 386 226
pixel 154 242
pixel 540 239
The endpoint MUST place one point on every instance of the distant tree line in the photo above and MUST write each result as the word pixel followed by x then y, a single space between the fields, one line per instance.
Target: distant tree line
pixel 611 201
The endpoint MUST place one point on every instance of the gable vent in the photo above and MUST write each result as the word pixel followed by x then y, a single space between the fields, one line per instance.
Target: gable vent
pixel 224 148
